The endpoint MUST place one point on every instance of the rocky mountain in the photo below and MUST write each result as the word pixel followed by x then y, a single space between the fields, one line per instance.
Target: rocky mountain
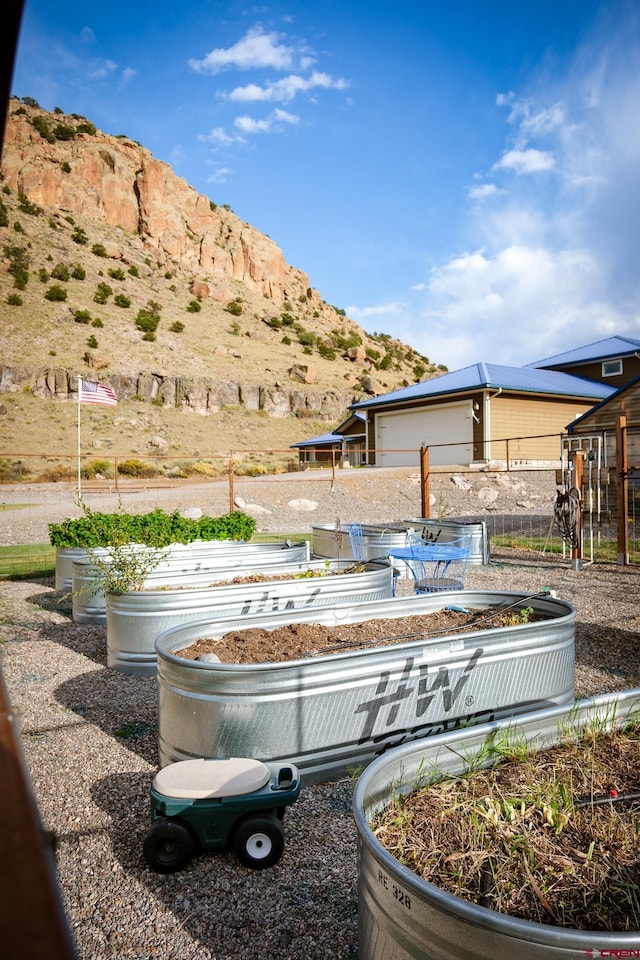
pixel 116 269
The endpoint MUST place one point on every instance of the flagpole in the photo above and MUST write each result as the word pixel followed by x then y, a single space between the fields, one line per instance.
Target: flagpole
pixel 79 401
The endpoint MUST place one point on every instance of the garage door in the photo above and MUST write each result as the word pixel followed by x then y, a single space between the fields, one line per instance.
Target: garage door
pixel 447 430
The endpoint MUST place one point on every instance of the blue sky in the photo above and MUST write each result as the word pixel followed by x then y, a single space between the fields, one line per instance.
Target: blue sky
pixel 463 176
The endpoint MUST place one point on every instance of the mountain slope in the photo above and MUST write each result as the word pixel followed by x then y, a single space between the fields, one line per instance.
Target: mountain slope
pixel 112 263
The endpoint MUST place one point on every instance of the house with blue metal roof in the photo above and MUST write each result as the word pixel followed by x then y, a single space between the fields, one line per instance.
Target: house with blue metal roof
pixel 614 360
pixel 483 413
pixel 345 445
pixel 489 413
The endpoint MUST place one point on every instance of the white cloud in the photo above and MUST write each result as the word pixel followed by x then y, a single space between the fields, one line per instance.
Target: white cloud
pixel 513 306
pixel 127 74
pixel 382 309
pixel 526 161
pixel 285 117
pixel 286 89
pixel 221 175
pixel 87 35
pixel 256 50
pixel 99 69
pixel 271 124
pixel 249 125
pixel 483 192
pixel 219 137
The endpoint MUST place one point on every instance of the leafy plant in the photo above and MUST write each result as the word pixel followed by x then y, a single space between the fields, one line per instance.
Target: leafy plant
pixel 61 272
pixel 79 236
pixel 99 250
pixel 56 293
pixel 121 300
pixel 14 300
pixel 234 308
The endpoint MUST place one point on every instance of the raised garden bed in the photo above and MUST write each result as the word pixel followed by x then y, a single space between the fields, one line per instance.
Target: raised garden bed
pixel 136 618
pixel 331 713
pixel 572 775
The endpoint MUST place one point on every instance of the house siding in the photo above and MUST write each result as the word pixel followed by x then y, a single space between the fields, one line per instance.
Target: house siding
pixel 543 421
pixel 593 371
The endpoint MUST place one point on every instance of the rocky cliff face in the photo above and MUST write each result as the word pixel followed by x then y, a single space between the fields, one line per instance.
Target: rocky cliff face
pixel 114 181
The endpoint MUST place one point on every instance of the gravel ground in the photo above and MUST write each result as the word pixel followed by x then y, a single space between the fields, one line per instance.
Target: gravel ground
pixel 89 737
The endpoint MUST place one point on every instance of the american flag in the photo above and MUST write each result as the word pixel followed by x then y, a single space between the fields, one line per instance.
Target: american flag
pixel 97 393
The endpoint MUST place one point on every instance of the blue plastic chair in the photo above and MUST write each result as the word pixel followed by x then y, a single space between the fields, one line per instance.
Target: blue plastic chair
pixel 437 566
pixel 357 542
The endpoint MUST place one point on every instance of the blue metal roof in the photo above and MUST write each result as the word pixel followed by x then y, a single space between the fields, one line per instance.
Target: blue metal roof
pixel 600 350
pixel 323 440
pixel 492 376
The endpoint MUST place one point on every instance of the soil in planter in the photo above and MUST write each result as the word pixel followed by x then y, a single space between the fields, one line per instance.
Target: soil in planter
pixel 298 640
pixel 552 838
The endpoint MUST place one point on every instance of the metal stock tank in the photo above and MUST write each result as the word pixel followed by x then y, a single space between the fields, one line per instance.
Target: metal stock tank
pixel 402 917
pixel 333 712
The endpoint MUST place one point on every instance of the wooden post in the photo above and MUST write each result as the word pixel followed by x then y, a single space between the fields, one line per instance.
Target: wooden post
pixel 424 482
pixel 576 548
pixel 622 491
pixel 231 493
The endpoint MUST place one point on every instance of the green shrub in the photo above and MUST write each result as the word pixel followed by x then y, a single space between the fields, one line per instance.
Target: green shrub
pixel 234 308
pixel 326 351
pixel 149 335
pixel 53 223
pixel 28 206
pixel 61 272
pixel 79 236
pixel 4 215
pixel 116 273
pixel 177 326
pixel 97 468
pixel 64 131
pixel 133 270
pixel 148 318
pixel 306 338
pixel 121 301
pixel 97 322
pixel 14 300
pixel 194 307
pixel 56 293
pixel 99 250
pixel 92 342
pixel 82 316
pixel 102 294
pixel 78 272
pixel 43 276
pixel 286 340
pixel 87 127
pixel 18 264
pixel 42 125
pixel 18 227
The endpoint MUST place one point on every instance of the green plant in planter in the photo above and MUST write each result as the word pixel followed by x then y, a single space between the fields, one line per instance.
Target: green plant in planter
pixel 154 529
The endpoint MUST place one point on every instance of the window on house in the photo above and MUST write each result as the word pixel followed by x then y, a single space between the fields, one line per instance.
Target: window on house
pixel 611 368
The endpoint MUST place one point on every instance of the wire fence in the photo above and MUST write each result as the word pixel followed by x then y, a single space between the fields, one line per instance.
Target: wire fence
pixel 517 504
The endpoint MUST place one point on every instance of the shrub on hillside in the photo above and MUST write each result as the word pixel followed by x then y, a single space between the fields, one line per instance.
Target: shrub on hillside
pixel 56 293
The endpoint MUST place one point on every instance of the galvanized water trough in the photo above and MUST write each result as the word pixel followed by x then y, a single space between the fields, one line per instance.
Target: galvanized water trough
pixel 332 540
pixel 402 917
pixel 334 712
pixel 135 619
pixel 185 565
pixel 195 551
